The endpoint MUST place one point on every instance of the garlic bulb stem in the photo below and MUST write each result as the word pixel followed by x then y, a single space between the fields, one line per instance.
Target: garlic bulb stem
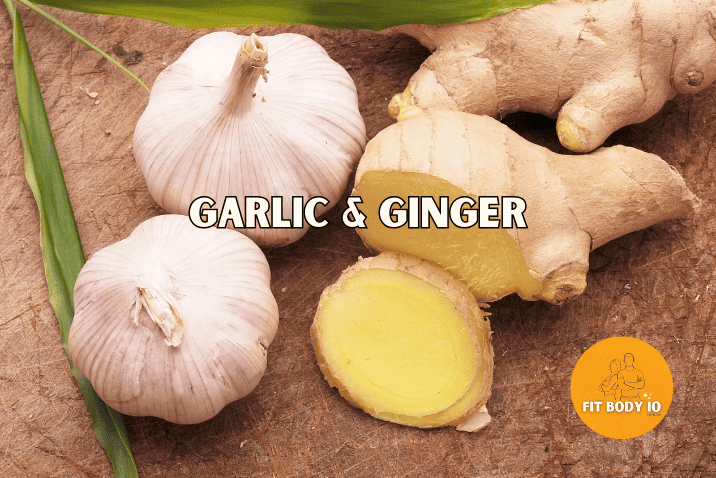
pixel 163 311
pixel 248 67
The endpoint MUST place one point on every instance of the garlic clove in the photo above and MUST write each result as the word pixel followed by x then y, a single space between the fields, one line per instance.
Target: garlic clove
pixel 216 282
pixel 204 133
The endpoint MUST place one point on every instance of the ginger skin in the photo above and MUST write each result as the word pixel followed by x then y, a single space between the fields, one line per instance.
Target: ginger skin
pixel 595 65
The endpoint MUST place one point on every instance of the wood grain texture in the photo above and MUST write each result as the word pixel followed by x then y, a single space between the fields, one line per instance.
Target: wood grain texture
pixel 656 285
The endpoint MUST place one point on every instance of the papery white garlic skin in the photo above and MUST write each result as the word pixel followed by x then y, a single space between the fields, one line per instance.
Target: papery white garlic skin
pixel 219 282
pixel 296 131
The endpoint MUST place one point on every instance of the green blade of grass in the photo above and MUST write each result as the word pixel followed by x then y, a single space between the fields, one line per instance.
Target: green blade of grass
pixel 79 38
pixel 59 239
pixel 353 14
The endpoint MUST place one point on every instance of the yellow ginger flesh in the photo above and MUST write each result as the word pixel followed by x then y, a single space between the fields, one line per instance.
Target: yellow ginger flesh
pixel 487 260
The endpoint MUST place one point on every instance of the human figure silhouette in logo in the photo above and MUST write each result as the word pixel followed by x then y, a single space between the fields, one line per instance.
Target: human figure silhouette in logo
pixel 610 385
pixel 631 380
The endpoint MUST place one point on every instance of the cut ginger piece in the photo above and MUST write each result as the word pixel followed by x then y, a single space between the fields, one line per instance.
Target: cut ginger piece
pixel 573 204
pixel 406 342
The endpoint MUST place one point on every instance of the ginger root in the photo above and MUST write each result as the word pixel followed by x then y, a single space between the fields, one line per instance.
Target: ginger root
pixel 574 204
pixel 595 65
pixel 406 342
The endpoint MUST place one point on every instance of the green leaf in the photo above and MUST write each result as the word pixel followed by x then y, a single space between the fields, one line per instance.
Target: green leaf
pixel 353 14
pixel 59 239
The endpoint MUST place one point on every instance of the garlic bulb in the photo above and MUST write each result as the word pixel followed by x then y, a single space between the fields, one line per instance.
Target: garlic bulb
pixel 224 120
pixel 174 321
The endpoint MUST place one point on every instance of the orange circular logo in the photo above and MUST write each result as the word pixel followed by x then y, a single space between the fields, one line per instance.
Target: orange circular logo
pixel 621 387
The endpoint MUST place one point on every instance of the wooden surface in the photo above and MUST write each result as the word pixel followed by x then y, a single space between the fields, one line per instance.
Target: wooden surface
pixel 656 285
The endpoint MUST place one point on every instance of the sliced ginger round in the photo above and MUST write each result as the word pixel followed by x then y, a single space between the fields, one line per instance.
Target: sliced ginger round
pixel 406 342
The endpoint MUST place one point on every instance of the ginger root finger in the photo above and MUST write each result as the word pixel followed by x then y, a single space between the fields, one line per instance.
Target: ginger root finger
pixel 573 203
pixel 622 59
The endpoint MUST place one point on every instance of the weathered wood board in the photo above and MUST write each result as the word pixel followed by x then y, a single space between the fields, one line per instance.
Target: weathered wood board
pixel 656 285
